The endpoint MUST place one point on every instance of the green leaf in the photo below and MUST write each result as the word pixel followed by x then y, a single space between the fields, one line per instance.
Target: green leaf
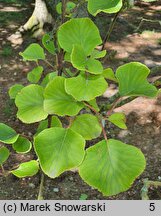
pixel 69 7
pixel 106 6
pixel 14 90
pixel 42 126
pixel 30 104
pixel 26 169
pixel 78 57
pixel 49 77
pixel 35 75
pixel 87 126
pixel 33 52
pixel 118 119
pixel 94 66
pixel 82 62
pixel 59 150
pixel 48 43
pixel 57 101
pixel 96 54
pixel 22 145
pixel 112 167
pixel 7 134
pixel 132 78
pixel 55 122
pixel 109 74
pixel 4 154
pixel 79 31
pixel 85 86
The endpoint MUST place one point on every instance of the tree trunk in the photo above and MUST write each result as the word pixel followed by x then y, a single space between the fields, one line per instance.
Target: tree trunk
pixel 35 24
pixel 39 17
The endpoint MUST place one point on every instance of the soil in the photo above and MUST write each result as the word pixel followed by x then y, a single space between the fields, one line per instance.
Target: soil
pixel 130 41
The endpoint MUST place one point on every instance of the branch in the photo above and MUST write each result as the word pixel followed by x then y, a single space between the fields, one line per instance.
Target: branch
pixel 112 26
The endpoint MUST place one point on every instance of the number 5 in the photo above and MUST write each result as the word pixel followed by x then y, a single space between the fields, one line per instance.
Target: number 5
pixel 152 207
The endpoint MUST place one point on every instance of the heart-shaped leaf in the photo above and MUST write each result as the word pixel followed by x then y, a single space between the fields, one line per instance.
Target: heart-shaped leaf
pixel 118 119
pixel 57 101
pixel 82 62
pixel 107 6
pixel 112 166
pixel 87 126
pixel 22 145
pixel 132 78
pixel 35 75
pixel 33 52
pixel 29 102
pixel 7 134
pixel 14 90
pixel 59 150
pixel 85 86
pixel 26 169
pixel 79 31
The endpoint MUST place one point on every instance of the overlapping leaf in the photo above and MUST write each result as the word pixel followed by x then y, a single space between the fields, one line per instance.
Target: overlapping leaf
pixel 59 150
pixel 30 104
pixel 57 101
pixel 87 125
pixel 85 86
pixel 79 31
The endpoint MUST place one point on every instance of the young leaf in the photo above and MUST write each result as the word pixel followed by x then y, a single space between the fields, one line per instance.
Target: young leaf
pixel 35 75
pixel 59 150
pixel 69 7
pixel 55 122
pixel 33 52
pixel 109 74
pixel 85 87
pixel 119 120
pixel 7 134
pixel 112 166
pixel 30 104
pixel 79 31
pixel 80 61
pixel 87 126
pixel 4 154
pixel 107 6
pixel 26 169
pixel 42 126
pixel 22 145
pixel 49 77
pixel 57 101
pixel 96 54
pixel 14 90
pixel 94 66
pixel 48 43
pixel 132 78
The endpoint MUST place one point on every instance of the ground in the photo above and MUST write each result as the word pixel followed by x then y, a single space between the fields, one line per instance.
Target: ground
pixel 136 37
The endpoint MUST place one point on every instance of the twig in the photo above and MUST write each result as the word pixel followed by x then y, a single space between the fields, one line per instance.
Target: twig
pixel 40 195
pixel 64 4
pixel 109 112
pixel 46 61
pixel 100 118
pixel 111 27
